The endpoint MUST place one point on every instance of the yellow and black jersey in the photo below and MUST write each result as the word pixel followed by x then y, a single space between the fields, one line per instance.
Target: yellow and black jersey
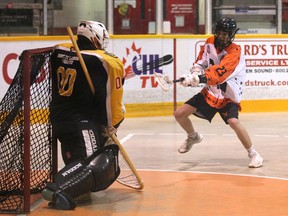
pixel 72 98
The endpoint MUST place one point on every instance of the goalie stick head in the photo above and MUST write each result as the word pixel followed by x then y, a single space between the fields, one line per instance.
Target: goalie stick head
pixel 95 32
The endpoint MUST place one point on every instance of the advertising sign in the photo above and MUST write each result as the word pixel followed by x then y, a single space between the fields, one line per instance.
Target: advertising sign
pixel 266 59
pixel 142 58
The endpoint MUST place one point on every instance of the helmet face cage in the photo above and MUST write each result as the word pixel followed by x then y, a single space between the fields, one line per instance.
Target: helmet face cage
pixel 94 31
pixel 228 26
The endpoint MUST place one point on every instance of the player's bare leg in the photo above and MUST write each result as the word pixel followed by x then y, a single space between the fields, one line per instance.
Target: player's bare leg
pixel 182 117
pixel 255 159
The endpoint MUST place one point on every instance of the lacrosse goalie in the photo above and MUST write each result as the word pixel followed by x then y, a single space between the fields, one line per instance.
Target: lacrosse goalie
pixel 80 117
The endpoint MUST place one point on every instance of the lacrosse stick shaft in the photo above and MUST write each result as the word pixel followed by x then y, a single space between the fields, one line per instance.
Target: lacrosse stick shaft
pixel 178 80
pixel 83 65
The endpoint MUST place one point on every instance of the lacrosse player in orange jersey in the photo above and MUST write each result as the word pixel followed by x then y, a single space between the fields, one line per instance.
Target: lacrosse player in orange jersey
pixel 220 66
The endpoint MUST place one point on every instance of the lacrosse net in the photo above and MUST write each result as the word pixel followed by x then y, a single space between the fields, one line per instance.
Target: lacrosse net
pixel 26 161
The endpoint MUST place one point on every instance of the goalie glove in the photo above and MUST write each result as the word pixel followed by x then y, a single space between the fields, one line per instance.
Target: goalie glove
pixel 189 80
pixel 197 69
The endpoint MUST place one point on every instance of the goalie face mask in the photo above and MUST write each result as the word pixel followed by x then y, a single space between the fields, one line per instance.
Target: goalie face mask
pixel 224 32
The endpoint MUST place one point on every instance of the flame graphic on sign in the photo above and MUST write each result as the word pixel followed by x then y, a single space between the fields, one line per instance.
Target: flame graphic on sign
pixel 132 56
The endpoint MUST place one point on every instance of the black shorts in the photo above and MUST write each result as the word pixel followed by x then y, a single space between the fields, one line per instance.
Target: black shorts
pixel 205 111
pixel 78 141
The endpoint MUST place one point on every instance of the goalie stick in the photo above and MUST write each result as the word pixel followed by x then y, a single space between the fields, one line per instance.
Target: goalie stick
pixel 128 181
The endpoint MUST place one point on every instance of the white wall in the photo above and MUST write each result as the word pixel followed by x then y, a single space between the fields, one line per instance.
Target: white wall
pixel 268 77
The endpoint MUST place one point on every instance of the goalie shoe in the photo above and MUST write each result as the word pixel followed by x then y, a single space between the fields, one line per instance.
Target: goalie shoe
pixel 58 200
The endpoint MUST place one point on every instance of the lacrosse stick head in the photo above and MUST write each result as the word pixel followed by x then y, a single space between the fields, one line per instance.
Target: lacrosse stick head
pixel 163 81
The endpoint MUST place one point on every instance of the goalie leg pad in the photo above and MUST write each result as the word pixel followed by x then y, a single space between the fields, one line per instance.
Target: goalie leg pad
pixel 69 171
pixel 96 173
pixel 105 167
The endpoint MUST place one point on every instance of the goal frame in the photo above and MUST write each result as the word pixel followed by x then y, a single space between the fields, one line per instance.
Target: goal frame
pixel 27 111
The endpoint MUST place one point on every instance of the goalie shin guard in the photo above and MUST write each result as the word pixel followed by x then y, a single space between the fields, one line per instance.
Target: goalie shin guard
pixel 96 173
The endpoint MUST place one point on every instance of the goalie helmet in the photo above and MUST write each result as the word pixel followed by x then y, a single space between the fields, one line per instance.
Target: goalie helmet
pixel 224 32
pixel 95 32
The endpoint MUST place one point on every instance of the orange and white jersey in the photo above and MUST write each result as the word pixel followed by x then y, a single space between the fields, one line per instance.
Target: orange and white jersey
pixel 225 72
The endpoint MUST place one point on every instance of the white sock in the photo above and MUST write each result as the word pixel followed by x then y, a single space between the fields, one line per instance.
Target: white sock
pixel 192 135
pixel 251 150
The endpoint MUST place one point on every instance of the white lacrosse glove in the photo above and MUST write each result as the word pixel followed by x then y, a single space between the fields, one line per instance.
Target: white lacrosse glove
pixel 190 80
pixel 197 69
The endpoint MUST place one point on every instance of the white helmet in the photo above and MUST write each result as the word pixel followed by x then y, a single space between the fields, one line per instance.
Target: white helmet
pixel 96 32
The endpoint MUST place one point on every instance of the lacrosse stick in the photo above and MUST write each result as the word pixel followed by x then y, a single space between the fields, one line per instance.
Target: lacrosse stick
pixel 165 82
pixel 132 180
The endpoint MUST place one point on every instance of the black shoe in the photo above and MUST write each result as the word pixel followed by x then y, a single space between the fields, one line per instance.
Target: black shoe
pixel 48 194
